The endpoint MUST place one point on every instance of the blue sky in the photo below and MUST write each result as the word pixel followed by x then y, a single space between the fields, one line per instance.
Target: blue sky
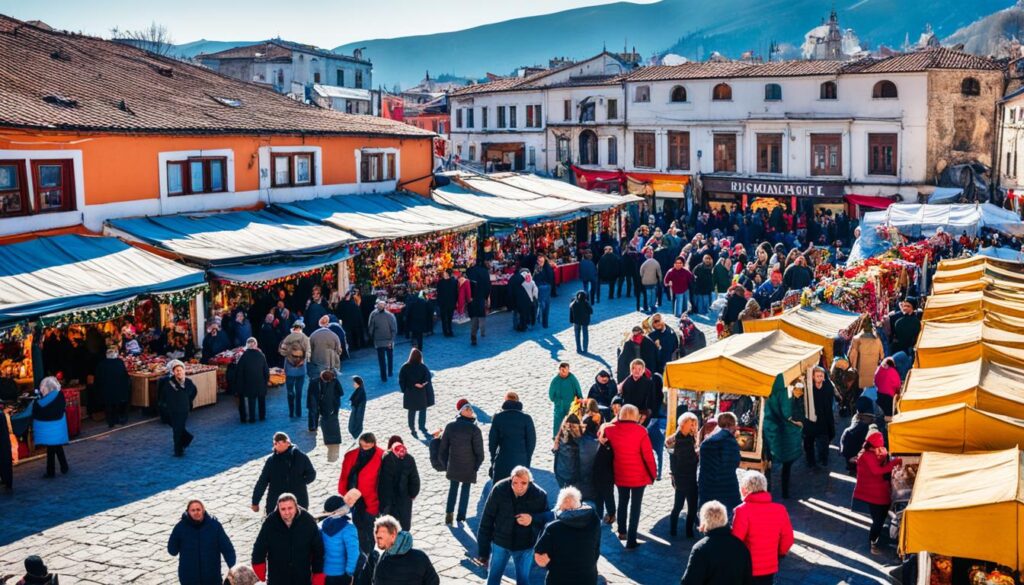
pixel 326 23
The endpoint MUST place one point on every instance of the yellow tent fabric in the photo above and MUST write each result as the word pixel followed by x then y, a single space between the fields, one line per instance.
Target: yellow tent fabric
pixel 955 428
pixel 964 274
pixel 957 263
pixel 944 344
pixel 984 385
pixel 1008 356
pixel 747 363
pixel 965 306
pixel 969 506
pixel 818 325
pixel 945 288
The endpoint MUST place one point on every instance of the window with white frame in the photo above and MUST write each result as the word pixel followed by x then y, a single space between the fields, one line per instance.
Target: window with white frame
pixel 375 167
pixel 292 169
pixel 197 175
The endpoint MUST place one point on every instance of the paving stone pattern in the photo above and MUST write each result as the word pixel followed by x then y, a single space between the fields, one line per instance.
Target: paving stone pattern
pixel 108 520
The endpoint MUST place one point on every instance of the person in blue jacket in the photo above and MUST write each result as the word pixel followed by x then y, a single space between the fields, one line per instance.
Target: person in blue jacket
pixel 341 540
pixel 50 424
pixel 199 542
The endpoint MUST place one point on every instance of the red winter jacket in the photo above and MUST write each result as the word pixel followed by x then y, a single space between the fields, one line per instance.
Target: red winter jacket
pixel 887 380
pixel 872 487
pixel 367 482
pixel 632 454
pixel 765 528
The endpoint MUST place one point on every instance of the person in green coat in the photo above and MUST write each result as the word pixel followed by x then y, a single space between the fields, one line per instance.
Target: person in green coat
pixel 564 388
pixel 722 274
pixel 783 422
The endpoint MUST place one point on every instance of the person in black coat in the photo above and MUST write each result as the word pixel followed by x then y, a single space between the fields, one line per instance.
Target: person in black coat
pixel 289 546
pixel 579 315
pixel 602 391
pixel 608 268
pixel 570 546
pixel 251 377
pixel 329 393
pixel 462 452
pixel 719 558
pixel 515 294
pixel 512 438
pixel 270 337
pixel 716 468
pixel 629 273
pixel 174 398
pixel 215 342
pixel 818 434
pixel 398 483
pixel 683 470
pixel 111 379
pixel 638 346
pixel 447 298
pixel 352 320
pixel 479 277
pixel 638 389
pixel 526 307
pixel 418 318
pixel 417 390
pixel 287 470
pixel 513 500
pixel 394 561
pixel 199 542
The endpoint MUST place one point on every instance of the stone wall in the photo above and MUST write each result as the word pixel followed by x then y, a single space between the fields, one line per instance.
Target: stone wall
pixel 961 128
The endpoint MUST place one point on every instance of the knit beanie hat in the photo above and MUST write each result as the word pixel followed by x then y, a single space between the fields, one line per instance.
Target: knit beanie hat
pixel 395 439
pixel 461 404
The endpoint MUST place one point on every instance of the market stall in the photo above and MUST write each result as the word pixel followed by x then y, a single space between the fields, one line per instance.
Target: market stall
pixel 954 428
pixel 819 325
pixel 741 369
pixel 967 506
pixel 943 343
pixel 250 256
pixel 987 386
pixel 870 286
pixel 146 373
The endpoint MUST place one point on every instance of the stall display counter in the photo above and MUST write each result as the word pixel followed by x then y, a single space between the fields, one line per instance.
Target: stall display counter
pixel 567 272
pixel 145 386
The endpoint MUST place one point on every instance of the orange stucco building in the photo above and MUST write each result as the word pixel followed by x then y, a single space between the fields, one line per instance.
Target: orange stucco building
pixel 92 130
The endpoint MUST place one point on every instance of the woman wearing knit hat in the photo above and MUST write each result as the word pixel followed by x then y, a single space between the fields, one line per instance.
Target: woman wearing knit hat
pixel 175 398
pixel 462 450
pixel 399 482
pixel 874 469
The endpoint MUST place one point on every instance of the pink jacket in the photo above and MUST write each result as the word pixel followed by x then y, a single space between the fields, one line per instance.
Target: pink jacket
pixel 872 486
pixel 765 528
pixel 887 381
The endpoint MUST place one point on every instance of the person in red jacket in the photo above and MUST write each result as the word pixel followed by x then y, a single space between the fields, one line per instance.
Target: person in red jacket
pixel 633 466
pixel 873 483
pixel 763 526
pixel 360 469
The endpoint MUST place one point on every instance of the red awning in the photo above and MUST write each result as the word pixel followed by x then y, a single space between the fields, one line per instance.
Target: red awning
pixel 870 201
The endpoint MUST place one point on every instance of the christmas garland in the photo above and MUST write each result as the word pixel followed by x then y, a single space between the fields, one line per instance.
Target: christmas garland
pixel 114 310
pixel 326 272
pixel 417 262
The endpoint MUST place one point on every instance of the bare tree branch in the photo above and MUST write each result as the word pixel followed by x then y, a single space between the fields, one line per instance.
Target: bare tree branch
pixel 154 38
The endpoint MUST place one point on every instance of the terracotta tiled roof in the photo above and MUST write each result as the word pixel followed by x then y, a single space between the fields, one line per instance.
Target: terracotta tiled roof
pixel 695 70
pixel 63 81
pixel 509 83
pixel 276 49
pixel 923 60
pixel 587 81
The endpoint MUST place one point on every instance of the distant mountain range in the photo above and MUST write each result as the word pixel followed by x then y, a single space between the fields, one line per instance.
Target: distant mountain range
pixel 987 35
pixel 691 28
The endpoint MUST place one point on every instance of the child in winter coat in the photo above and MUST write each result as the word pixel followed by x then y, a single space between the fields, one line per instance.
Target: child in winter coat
pixel 341 541
pixel 358 402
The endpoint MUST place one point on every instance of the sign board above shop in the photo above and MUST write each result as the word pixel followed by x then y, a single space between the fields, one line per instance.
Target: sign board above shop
pixel 773 188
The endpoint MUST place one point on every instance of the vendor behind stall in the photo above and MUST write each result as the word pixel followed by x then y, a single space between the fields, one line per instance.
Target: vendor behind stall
pixel 214 342
pixel 113 382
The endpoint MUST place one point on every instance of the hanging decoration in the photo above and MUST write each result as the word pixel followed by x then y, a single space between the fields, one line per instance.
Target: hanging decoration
pixel 326 273
pixel 417 262
pixel 119 309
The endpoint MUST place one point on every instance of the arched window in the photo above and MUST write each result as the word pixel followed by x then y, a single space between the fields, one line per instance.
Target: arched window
pixel 884 89
pixel 970 86
pixel 678 94
pixel 588 147
pixel 772 92
pixel 829 91
pixel 722 92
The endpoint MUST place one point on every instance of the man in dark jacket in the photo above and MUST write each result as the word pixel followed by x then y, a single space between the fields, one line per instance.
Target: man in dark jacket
pixel 588 277
pixel 515 512
pixel 511 439
pixel 287 470
pixel 199 542
pixel 352 319
pixel 447 298
pixel 638 389
pixel 905 325
pixel 462 451
pixel 818 434
pixel 113 381
pixel 270 338
pixel 637 347
pixel 174 398
pixel 719 558
pixel 703 284
pixel 580 311
pixel 215 342
pixel 418 318
pixel 289 546
pixel 570 546
pixel 516 294
pixel 629 273
pixel 719 458
pixel 798 275
pixel 602 391
pixel 608 271
pixel 665 339
pixel 399 563
pixel 252 374
pixel 398 483
pixel 479 277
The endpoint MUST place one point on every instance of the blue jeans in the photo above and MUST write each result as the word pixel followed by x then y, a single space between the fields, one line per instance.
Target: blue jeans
pixel 679 304
pixel 577 328
pixel 592 288
pixel 649 292
pixel 543 303
pixel 461 491
pixel 656 431
pixel 386 354
pixel 294 386
pixel 522 560
pixel 702 303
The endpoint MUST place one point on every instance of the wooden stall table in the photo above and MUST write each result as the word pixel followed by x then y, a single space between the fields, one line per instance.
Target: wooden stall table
pixel 145 386
pixel 567 272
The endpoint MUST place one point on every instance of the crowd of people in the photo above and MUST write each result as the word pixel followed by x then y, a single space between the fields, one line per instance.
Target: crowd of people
pixel 608 443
